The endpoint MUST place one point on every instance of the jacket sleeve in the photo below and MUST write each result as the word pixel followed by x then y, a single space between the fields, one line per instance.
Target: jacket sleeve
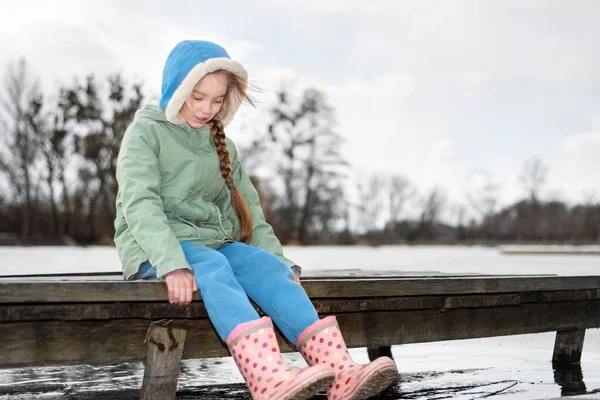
pixel 263 235
pixel 139 179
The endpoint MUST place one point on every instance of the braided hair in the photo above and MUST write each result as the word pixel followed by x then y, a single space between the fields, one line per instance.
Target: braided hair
pixel 240 206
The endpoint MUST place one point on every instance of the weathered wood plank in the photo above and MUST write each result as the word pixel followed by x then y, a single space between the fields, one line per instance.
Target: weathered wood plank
pixel 154 310
pixel 568 347
pixel 165 347
pixel 112 341
pixel 75 292
pixel 374 329
pixel 158 310
pixel 315 274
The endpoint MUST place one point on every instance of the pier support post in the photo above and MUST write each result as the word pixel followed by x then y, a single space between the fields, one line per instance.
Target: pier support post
pixel 165 347
pixel 376 352
pixel 568 347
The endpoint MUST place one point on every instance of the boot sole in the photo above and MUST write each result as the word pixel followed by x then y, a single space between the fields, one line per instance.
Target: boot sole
pixel 376 382
pixel 320 380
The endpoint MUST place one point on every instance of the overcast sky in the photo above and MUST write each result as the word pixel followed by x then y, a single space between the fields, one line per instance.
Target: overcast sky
pixel 440 91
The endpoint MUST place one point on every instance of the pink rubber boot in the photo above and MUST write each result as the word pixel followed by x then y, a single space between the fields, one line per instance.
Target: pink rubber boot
pixel 322 344
pixel 254 347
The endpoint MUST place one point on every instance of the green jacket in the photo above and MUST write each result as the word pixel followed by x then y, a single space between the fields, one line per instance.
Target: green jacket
pixel 171 190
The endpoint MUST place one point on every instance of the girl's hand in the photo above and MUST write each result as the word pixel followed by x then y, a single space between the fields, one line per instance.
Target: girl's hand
pixel 181 284
pixel 296 278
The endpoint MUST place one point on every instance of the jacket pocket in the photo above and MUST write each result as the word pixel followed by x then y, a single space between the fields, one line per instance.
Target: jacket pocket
pixel 205 230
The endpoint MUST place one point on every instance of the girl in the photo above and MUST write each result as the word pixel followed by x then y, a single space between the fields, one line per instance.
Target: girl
pixel 188 213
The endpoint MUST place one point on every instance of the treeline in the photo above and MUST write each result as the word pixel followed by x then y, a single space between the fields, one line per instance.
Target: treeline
pixel 58 160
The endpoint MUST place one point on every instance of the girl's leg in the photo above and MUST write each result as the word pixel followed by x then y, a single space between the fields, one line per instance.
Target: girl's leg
pixel 145 273
pixel 270 284
pixel 225 300
pixel 251 340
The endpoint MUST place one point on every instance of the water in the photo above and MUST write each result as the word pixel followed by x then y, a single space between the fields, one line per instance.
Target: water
pixel 511 367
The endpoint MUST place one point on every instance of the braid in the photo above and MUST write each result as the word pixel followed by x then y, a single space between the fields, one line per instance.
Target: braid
pixel 240 206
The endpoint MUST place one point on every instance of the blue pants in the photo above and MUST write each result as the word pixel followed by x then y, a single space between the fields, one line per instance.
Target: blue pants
pixel 228 276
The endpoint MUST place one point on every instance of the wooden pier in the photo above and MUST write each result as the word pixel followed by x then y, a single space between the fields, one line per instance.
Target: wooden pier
pixel 102 319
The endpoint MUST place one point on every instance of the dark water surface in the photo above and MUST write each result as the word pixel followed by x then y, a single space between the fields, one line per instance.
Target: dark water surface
pixel 202 379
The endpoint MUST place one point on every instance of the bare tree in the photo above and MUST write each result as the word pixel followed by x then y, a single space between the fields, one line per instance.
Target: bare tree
pixel 458 212
pixel 252 155
pixel 484 200
pixel 431 208
pixel 533 177
pixel 371 202
pixel 400 190
pixel 100 132
pixel 311 163
pixel 590 198
pixel 56 155
pixel 591 223
pixel 22 108
pixel 486 197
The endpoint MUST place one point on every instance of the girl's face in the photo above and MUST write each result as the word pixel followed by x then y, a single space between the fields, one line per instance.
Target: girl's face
pixel 206 99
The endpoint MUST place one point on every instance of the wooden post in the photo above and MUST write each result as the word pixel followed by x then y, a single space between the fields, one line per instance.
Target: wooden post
pixel 376 352
pixel 165 347
pixel 568 347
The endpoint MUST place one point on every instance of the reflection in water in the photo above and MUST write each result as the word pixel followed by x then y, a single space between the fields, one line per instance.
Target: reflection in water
pixel 122 382
pixel 570 379
pixel 218 379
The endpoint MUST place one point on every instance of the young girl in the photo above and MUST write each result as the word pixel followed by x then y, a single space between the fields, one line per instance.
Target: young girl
pixel 188 213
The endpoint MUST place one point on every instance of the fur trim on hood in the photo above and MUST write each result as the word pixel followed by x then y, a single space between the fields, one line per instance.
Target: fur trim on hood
pixel 187 63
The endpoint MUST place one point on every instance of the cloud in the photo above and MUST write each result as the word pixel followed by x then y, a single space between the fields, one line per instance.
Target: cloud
pixel 339 6
pixel 429 89
pixel 389 84
pixel 585 141
pixel 582 141
pixel 441 152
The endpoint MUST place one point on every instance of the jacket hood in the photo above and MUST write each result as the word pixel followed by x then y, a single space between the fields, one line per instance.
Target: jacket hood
pixel 187 63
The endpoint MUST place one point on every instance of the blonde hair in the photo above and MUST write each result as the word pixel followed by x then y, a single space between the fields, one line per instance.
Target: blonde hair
pixel 236 92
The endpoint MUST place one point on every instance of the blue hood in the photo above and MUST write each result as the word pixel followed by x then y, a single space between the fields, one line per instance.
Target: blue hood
pixel 187 63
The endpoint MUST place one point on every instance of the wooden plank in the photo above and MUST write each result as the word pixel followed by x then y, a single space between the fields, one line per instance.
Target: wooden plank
pixel 568 347
pixel 99 311
pixel 52 292
pixel 104 311
pixel 113 341
pixel 400 327
pixel 312 275
pixel 163 363
pixel 158 310
pixel 504 299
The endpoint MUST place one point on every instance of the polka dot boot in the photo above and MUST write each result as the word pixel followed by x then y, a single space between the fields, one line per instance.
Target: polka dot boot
pixel 322 344
pixel 255 350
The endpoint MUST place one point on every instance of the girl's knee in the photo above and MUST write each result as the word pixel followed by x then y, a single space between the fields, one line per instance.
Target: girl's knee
pixel 195 254
pixel 239 252
pixel 271 265
pixel 246 259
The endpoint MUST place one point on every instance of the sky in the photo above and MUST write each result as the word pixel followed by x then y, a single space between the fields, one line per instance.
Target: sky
pixel 450 94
